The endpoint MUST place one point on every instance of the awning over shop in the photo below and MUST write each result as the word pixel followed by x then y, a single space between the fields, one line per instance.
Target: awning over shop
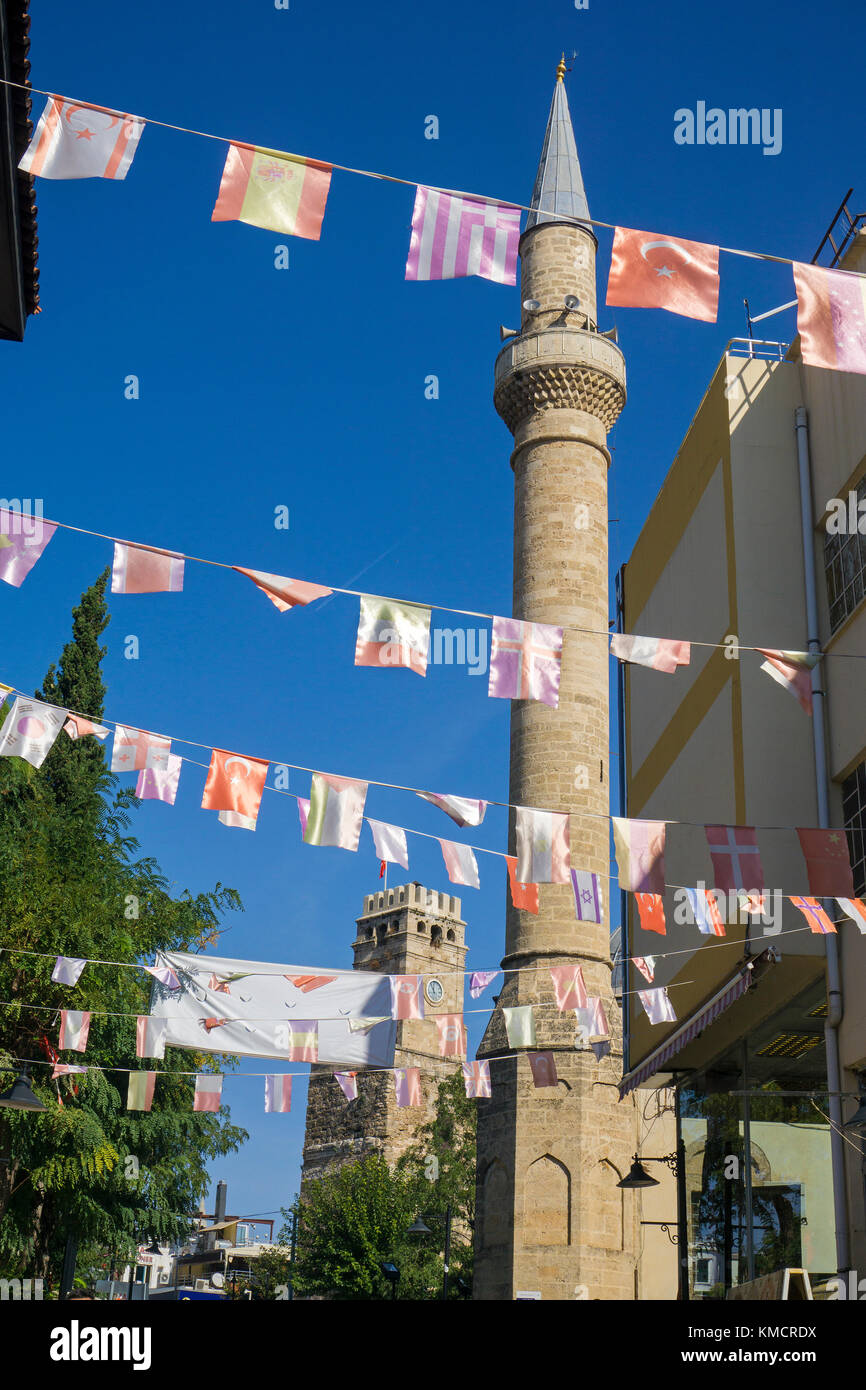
pixel 689 1030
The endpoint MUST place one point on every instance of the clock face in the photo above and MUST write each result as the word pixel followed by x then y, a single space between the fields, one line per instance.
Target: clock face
pixel 434 991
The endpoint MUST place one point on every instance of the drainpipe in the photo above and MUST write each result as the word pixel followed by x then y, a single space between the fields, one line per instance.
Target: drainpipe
pixel 834 978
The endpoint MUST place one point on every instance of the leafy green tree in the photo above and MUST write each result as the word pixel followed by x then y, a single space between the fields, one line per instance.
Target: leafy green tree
pixel 72 883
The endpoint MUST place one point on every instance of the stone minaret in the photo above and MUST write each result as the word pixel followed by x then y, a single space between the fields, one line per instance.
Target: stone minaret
pixel 550 1217
pixel 408 930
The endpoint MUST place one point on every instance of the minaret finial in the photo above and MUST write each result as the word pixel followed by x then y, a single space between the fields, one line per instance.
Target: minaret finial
pixel 561 69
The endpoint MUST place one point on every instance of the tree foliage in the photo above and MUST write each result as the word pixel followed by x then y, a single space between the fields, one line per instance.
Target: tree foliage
pixel 73 882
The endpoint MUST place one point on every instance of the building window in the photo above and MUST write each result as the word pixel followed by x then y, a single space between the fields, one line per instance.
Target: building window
pixel 845 568
pixel 854 818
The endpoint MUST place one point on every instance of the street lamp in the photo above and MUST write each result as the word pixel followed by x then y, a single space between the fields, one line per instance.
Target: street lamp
pixel 392 1274
pixel 20 1096
pixel 418 1228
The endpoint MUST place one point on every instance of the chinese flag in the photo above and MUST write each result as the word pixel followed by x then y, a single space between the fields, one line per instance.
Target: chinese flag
pixel 523 895
pixel 827 863
pixel 234 783
pixel 652 271
pixel 651 907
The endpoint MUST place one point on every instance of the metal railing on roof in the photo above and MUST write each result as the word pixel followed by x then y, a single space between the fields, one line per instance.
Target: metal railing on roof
pixel 757 347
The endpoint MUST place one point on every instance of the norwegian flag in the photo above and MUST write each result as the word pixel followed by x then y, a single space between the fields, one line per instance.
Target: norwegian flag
pixel 735 856
pixel 819 923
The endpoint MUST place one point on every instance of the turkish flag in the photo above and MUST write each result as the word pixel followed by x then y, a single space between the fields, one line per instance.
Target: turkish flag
pixel 652 271
pixel 651 907
pixel 543 1068
pixel 234 783
pixel 523 895
pixel 827 863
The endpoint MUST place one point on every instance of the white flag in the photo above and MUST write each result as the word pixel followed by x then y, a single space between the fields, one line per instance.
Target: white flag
pixel 235 819
pixel 348 1083
pixel 390 842
pixel 67 970
pixel 658 1007
pixel 460 863
pixel 459 808
pixel 73 141
pixel 30 729
pixel 150 1036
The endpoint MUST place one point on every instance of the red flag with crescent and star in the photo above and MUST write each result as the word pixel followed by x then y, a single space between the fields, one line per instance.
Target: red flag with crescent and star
pixel 73 141
pixel 651 271
pixel 234 783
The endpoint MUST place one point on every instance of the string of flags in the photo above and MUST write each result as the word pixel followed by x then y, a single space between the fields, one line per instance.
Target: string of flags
pixel 453 234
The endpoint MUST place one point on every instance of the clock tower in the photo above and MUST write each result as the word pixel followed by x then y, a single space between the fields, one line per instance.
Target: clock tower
pixel 408 930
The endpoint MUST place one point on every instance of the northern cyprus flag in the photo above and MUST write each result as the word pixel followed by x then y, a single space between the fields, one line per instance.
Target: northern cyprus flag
pixel 392 634
pixel 542 847
pixel 30 729
pixel 336 811
pixel 73 141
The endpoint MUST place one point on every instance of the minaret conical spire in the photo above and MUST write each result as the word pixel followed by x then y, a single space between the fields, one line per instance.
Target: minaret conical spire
pixel 559 190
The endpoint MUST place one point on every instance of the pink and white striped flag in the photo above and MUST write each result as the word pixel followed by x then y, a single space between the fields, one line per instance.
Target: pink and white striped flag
pixel 74 1028
pixel 208 1092
pixel 452 1035
pixel 461 810
pixel 659 653
pixel 543 1069
pixel 453 236
pixel 525 661
pixel 460 863
pixel 158 783
pixel 568 986
pixel 407 1086
pixel 278 1094
pixel 139 1093
pixel 67 970
pixel 390 842
pixel 476 1079
pixel 73 141
pixel 542 847
pixel 657 1005
pixel 150 1036
pixel 407 996
pixel 140 571
pixel 348 1083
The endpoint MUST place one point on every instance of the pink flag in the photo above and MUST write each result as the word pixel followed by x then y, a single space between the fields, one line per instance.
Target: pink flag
pixel 303 1040
pixel 76 727
pixel 543 1068
pixel 479 980
pixel 407 1086
pixel 453 236
pixel 303 813
pixel 160 784
pixel 390 843
pixel 452 1035
pixel 819 923
pixel 640 854
pixel 543 854
pixel 74 1028
pixel 348 1083
pixel 459 808
pixel 164 974
pixel 793 671
pixel 138 570
pixel 828 862
pixel 278 1094
pixel 67 970
pixel 73 141
pixel 407 996
pixel 568 986
pixel 208 1092
pixel 150 1036
pixel 22 540
pixel 593 1019
pixel 476 1079
pixel 525 661
pixel 66 1069
pixel 735 856
pixel 460 863
pixel 284 593
pixel 658 1007
pixel 134 749
pixel 647 966
pixel 659 653
pixel 831 317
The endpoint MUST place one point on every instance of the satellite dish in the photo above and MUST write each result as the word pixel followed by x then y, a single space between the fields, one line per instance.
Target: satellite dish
pixel 532 306
pixel 572 301
pixel 217 1279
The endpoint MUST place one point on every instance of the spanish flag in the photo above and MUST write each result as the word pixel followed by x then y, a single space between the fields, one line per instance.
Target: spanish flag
pixel 280 192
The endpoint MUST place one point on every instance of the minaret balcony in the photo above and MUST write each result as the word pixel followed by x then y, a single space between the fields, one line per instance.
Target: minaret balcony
pixel 559 368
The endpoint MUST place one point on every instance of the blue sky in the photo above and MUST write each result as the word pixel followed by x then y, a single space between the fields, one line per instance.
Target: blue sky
pixel 305 388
